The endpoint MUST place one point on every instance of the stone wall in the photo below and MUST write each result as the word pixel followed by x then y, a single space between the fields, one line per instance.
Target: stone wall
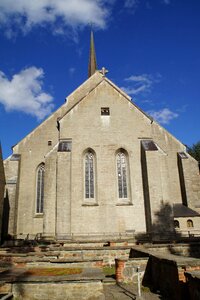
pixel 167 275
pixel 36 290
pixel 108 255
pixel 184 230
pixel 162 275
pixel 12 170
pixel 126 270
pixel 167 267
pixel 181 249
pixel 57 291
pixel 2 186
pixel 191 183
pixel 105 257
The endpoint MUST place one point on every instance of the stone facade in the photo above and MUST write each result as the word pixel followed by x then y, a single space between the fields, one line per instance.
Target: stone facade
pixel 184 228
pixel 157 176
pixel 2 187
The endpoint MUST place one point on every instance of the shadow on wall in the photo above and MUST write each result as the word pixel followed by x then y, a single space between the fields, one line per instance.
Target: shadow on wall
pixel 162 227
pixel 16 245
pixel 5 218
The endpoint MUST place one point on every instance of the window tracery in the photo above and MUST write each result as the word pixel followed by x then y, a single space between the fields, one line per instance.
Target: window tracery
pixel 40 189
pixel 89 175
pixel 122 174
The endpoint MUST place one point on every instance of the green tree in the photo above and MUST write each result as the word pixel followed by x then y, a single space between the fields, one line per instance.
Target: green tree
pixel 194 151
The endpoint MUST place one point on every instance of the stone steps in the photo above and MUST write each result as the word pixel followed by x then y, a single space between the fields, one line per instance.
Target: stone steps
pixel 62 255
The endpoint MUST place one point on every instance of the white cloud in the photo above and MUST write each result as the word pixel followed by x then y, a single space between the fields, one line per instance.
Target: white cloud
pixel 24 14
pixel 167 2
pixel 147 101
pixel 130 3
pixel 140 83
pixel 163 116
pixel 134 90
pixel 24 93
pixel 72 70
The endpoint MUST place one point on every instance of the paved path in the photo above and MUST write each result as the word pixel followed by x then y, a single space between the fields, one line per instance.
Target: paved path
pixel 127 292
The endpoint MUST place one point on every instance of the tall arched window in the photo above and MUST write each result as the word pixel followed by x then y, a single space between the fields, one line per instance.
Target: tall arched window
pixel 40 189
pixel 122 174
pixel 89 174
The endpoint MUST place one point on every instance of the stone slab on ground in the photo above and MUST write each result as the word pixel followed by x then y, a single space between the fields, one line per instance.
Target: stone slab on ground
pixel 19 275
pixel 86 285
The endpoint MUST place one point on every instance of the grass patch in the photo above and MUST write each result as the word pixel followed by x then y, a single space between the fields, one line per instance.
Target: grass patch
pixel 109 271
pixel 145 289
pixel 52 271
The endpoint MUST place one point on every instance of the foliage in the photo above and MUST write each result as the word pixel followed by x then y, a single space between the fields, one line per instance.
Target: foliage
pixel 194 151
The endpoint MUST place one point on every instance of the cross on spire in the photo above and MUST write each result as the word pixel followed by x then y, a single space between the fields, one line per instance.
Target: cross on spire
pixel 92 67
pixel 104 71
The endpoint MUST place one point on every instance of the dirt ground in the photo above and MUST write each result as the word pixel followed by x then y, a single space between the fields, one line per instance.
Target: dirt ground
pixel 128 292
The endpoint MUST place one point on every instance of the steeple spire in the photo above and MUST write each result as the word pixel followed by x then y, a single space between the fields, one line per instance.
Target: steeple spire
pixel 92 58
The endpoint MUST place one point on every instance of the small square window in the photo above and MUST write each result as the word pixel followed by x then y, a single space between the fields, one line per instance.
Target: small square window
pixel 49 143
pixel 105 111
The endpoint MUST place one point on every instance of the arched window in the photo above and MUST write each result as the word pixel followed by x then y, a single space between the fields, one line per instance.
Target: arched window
pixel 89 174
pixel 176 224
pixel 40 189
pixel 190 223
pixel 122 174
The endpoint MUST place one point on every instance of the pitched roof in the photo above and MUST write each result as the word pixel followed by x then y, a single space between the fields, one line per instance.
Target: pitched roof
pixel 88 86
pixel 81 93
pixel 181 210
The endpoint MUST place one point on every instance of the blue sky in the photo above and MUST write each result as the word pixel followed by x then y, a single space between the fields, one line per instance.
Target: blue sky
pixel 151 49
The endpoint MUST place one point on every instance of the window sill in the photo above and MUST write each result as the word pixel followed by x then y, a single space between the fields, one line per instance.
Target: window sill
pixel 124 204
pixel 39 215
pixel 90 204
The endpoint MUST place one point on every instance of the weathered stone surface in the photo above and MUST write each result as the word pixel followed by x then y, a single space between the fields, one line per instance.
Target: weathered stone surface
pixel 58 291
pixel 153 176
pixel 2 187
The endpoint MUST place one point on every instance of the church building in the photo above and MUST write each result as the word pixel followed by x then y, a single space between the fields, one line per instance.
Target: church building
pixel 98 167
pixel 2 187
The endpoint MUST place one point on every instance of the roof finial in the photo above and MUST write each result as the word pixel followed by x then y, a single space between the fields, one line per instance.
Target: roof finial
pixel 104 71
pixel 92 67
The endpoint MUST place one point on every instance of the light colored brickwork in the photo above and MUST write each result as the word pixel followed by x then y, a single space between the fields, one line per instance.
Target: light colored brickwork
pixel 2 187
pixel 66 211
